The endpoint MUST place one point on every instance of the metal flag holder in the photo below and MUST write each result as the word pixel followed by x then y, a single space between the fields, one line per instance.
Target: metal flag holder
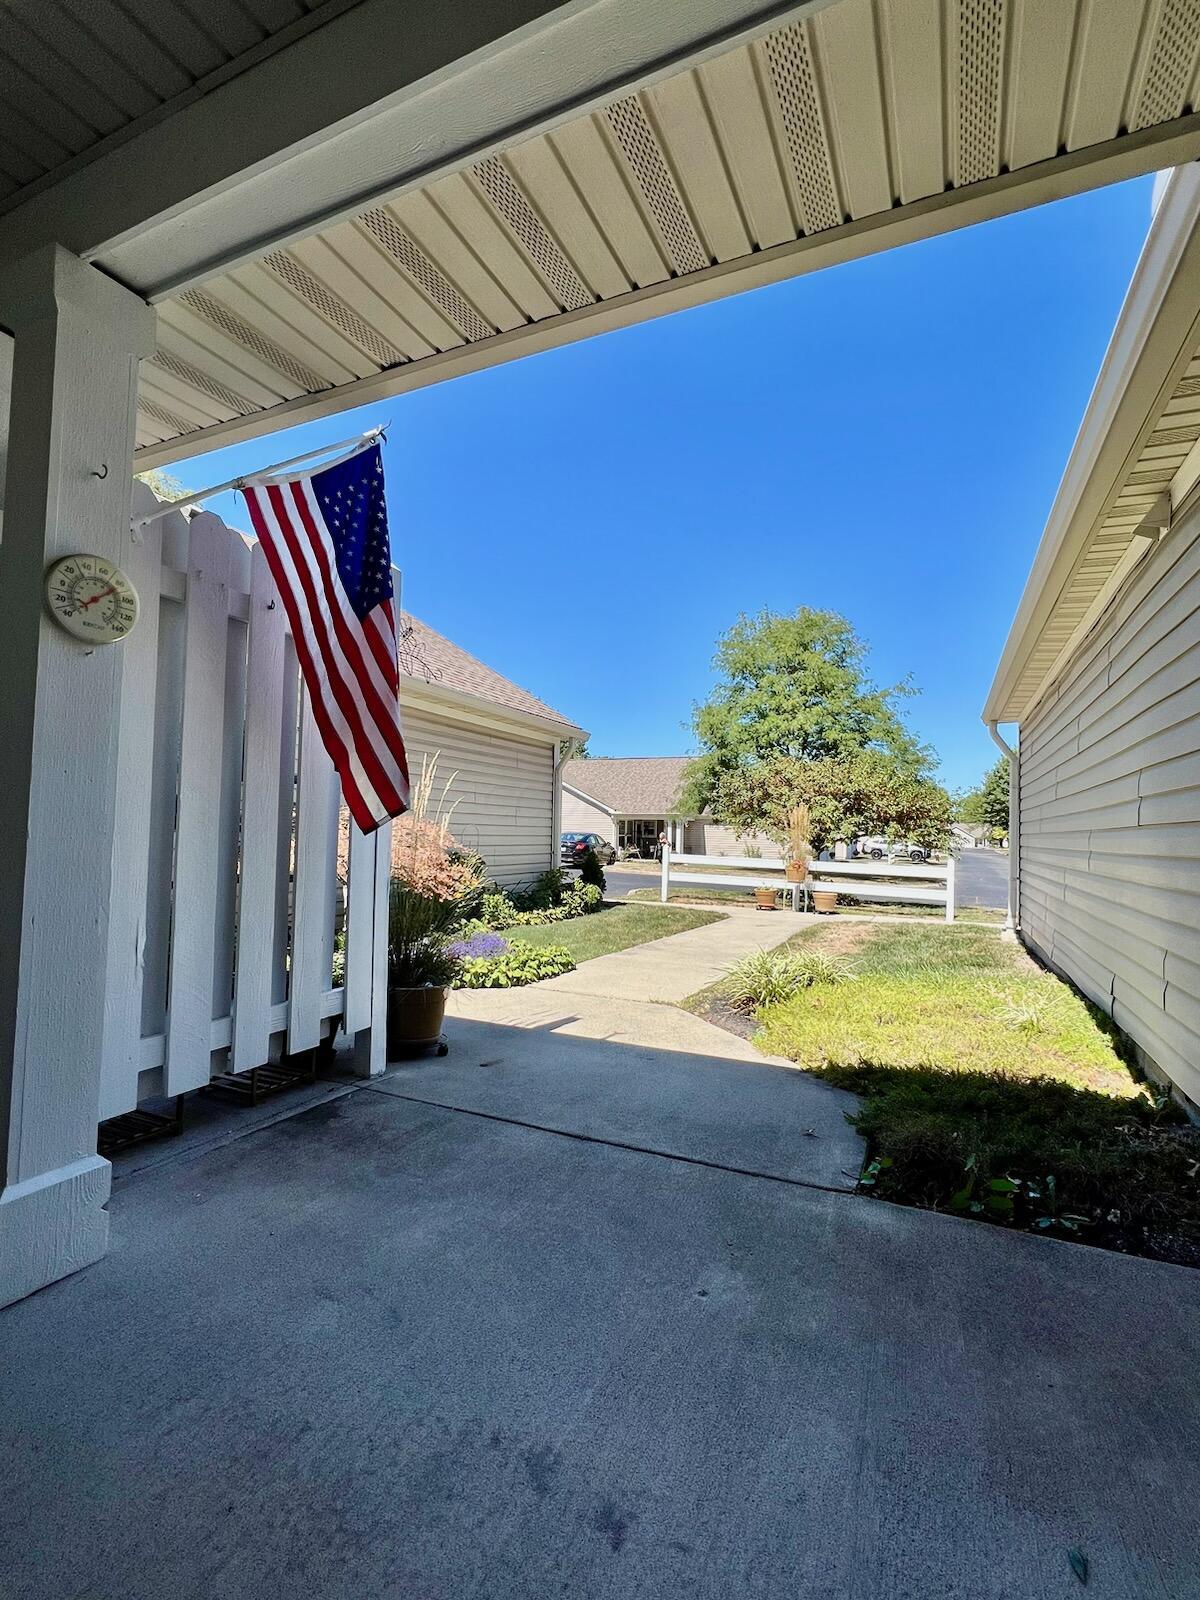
pixel 349 447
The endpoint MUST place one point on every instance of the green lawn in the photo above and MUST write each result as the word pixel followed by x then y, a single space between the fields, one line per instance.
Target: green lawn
pixel 614 928
pixel 990 1088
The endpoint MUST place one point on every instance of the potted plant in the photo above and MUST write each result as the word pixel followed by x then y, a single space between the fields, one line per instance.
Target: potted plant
pixel 798 850
pixel 764 898
pixel 824 899
pixel 434 887
pixel 421 969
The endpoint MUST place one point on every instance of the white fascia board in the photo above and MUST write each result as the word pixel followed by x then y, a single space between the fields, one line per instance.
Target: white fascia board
pixel 383 96
pixel 590 799
pixel 475 709
pixel 1155 333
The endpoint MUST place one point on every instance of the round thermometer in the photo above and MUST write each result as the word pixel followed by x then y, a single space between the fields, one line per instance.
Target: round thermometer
pixel 91 599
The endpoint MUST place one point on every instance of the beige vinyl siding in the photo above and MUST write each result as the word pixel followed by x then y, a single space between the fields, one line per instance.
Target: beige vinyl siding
pixel 1110 812
pixel 580 816
pixel 704 838
pixel 502 790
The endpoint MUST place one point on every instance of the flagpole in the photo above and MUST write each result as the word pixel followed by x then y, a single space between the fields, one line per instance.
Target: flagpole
pixel 246 477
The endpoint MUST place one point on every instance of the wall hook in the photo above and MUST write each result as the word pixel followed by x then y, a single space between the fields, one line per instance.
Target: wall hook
pixel 103 474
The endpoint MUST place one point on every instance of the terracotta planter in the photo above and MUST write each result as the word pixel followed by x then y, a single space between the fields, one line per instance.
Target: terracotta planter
pixel 797 871
pixel 414 1017
pixel 824 899
pixel 765 899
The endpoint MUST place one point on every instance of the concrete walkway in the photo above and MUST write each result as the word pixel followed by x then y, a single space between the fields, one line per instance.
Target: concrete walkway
pixel 544 1055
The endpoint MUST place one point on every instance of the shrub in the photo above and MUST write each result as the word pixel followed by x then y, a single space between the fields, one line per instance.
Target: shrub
pixel 495 911
pixel 770 976
pixel 582 899
pixel 521 964
pixel 545 891
pixel 590 870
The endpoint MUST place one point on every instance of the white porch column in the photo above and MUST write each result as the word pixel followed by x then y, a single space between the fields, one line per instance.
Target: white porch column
pixel 78 337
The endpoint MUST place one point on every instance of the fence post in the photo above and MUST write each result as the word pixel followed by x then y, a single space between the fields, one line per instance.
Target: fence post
pixel 666 873
pixel 950 886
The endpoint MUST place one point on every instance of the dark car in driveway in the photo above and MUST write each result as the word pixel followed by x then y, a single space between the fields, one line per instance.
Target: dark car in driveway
pixel 576 845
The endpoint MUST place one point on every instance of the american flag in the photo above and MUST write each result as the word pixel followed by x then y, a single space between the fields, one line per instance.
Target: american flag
pixel 325 537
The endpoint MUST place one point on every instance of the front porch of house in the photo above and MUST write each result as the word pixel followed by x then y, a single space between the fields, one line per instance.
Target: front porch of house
pixel 414 1346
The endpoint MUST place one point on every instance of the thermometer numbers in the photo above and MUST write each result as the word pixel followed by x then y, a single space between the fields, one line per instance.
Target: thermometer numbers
pixel 91 598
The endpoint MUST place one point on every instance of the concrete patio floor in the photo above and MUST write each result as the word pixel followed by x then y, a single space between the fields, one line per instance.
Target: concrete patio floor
pixel 384 1348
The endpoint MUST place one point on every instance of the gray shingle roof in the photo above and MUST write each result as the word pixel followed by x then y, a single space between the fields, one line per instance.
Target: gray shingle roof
pixel 427 656
pixel 632 786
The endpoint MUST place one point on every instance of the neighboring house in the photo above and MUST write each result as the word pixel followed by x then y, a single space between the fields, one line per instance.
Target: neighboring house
pixel 630 800
pixel 1102 673
pixel 969 835
pixel 496 744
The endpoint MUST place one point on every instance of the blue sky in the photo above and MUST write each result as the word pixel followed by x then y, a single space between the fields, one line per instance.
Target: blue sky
pixel 883 439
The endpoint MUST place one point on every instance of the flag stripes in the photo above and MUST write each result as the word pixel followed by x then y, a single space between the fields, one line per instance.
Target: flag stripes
pixel 326 546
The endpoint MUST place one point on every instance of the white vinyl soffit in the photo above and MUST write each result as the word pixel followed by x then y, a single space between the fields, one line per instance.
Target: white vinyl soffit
pixel 720 177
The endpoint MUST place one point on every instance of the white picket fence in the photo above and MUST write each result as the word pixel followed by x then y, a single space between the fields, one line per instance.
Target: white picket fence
pixel 767 873
pixel 225 853
pixel 902 883
pixel 928 884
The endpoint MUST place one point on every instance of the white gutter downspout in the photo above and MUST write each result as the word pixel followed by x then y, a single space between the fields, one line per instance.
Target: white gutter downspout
pixel 1013 921
pixel 560 755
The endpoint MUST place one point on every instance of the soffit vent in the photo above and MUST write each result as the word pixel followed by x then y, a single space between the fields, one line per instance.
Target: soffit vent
pixel 195 379
pixel 980 46
pixel 426 276
pixel 509 200
pixel 1171 63
pixel 334 310
pixel 649 166
pixel 234 327
pixel 160 414
pixel 795 85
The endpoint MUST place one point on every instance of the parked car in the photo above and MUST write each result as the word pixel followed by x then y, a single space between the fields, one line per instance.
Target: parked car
pixel 576 845
pixel 880 849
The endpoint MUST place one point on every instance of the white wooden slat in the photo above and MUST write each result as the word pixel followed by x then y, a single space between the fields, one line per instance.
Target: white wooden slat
pixel 164 786
pixel 121 1056
pixel 261 820
pixel 377 1059
pixel 230 748
pixel 197 831
pixel 316 810
pixel 360 930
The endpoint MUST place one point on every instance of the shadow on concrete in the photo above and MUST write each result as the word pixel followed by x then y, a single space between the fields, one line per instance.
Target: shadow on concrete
pixel 750 1116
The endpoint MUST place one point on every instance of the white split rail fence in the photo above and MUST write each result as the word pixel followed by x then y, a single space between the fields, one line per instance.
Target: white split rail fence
pixel 929 883
pixel 225 853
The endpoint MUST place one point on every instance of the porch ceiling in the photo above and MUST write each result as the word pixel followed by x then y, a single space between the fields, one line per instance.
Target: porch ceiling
pixel 843 132
pixel 78 74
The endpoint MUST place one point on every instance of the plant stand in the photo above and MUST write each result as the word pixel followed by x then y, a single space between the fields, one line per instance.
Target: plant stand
pixel 138 1127
pixel 247 1088
pixel 416 1050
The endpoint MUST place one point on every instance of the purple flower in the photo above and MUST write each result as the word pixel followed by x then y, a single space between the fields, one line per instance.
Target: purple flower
pixel 479 945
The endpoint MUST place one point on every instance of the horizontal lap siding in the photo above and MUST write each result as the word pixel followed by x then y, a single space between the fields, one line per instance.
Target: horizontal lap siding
pixel 502 790
pixel 1110 813
pixel 578 816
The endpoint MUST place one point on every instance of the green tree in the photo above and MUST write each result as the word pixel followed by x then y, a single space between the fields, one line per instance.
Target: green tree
pixel 575 750
pixel 795 686
pixel 165 484
pixel 867 793
pixel 988 805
